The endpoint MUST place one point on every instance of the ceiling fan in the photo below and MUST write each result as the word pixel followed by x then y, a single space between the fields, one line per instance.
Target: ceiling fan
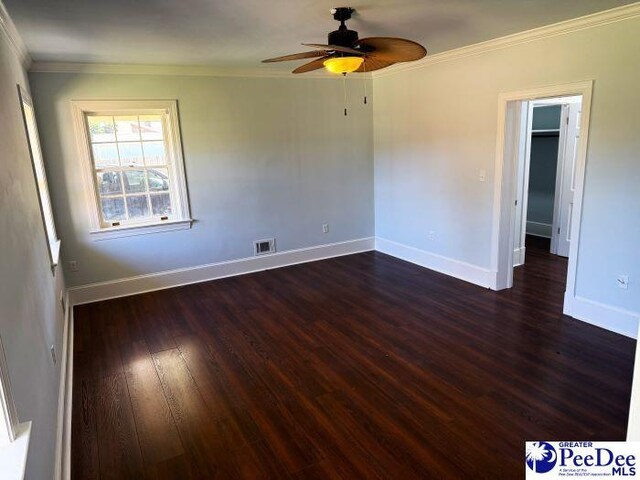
pixel 346 53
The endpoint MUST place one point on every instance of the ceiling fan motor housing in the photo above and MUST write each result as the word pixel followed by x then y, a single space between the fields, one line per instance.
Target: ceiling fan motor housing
pixel 343 36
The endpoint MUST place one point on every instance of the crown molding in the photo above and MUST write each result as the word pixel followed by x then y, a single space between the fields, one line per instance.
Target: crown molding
pixel 8 28
pixel 598 19
pixel 171 70
pixel 562 28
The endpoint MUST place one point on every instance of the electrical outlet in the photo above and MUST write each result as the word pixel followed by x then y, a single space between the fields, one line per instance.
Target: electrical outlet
pixel 53 354
pixel 73 265
pixel 623 282
pixel 431 235
pixel 325 228
pixel 482 175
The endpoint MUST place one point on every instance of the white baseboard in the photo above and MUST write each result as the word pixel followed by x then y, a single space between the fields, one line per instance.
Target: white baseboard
pixel 518 256
pixel 539 229
pixel 157 281
pixel 602 315
pixel 633 427
pixel 63 433
pixel 68 401
pixel 605 316
pixel 611 318
pixel 455 268
pixel 183 276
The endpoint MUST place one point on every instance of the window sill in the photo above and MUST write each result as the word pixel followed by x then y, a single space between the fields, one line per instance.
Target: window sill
pixel 130 231
pixel 13 456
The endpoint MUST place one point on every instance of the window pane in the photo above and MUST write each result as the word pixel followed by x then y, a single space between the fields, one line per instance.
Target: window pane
pixel 138 206
pixel 127 128
pixel 130 154
pixel 109 183
pixel 151 127
pixel 105 155
pixel 161 204
pixel 39 171
pixel 101 129
pixel 154 153
pixel 134 181
pixel 158 179
pixel 112 209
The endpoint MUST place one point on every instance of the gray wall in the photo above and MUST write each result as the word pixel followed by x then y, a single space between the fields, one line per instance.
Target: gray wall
pixel 543 165
pixel 264 158
pixel 435 128
pixel 31 317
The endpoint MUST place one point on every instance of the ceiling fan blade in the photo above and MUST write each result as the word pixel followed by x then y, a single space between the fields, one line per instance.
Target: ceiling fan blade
pixel 314 65
pixel 391 49
pixel 296 56
pixel 333 48
pixel 371 63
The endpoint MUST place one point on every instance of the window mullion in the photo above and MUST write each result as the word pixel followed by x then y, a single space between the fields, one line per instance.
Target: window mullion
pixel 126 207
pixel 173 189
pixel 125 169
pixel 102 142
pixel 149 204
pixel 147 189
pixel 121 170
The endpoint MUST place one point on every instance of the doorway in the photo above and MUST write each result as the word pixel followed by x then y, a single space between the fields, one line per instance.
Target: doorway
pixel 515 121
pixel 545 175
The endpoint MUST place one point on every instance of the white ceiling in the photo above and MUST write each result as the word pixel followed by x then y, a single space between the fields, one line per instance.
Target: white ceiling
pixel 239 33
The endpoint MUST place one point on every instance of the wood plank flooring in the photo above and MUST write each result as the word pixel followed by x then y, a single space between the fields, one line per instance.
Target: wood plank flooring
pixel 362 366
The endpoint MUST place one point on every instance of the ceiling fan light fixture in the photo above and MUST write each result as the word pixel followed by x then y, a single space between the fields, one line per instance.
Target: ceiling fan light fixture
pixel 343 65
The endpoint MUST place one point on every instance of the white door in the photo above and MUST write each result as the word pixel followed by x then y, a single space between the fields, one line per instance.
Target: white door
pixel 522 181
pixel 566 179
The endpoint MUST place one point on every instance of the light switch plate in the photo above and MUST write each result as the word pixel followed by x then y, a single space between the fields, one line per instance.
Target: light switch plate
pixel 623 282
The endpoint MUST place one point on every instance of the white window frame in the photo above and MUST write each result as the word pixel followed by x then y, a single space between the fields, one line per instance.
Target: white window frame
pixel 181 219
pixel 39 172
pixel 8 413
pixel 14 436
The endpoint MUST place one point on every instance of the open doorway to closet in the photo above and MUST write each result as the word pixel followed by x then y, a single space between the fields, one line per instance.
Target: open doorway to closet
pixel 512 193
pixel 545 181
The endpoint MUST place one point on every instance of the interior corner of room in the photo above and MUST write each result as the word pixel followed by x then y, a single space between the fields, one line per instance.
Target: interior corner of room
pixel 253 225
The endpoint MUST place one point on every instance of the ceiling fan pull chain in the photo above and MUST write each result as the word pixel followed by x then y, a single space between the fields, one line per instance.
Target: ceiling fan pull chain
pixel 364 66
pixel 344 89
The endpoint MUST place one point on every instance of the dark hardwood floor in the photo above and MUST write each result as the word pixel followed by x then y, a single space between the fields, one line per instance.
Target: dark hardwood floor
pixel 361 366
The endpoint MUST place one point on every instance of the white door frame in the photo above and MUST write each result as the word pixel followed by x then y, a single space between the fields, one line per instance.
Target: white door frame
pixel 507 140
pixel 522 171
pixel 557 196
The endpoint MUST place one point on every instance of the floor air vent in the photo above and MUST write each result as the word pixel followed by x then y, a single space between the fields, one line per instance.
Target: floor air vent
pixel 263 247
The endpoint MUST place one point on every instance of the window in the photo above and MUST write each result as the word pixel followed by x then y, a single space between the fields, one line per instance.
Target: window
pixel 132 159
pixel 8 413
pixel 33 142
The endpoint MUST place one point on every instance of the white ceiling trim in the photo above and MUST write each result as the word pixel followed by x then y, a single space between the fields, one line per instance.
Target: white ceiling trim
pixel 10 31
pixel 561 28
pixel 186 70
pixel 598 19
